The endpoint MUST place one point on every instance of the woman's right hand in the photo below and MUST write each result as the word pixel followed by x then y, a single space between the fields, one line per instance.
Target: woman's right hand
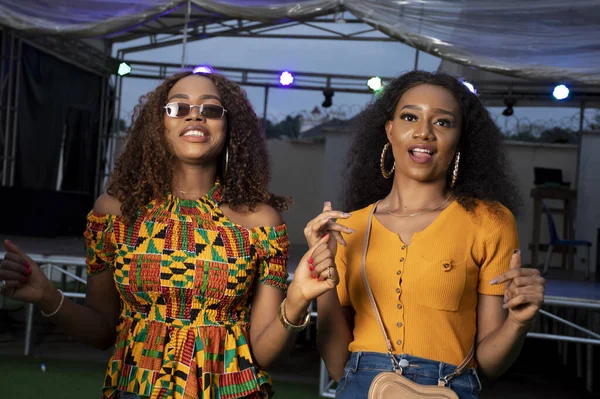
pixel 326 223
pixel 24 279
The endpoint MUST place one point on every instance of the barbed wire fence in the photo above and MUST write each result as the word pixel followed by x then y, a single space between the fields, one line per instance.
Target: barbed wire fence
pixel 513 126
pixel 341 111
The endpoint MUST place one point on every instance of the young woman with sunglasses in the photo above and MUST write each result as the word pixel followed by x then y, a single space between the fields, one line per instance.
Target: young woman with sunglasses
pixel 186 254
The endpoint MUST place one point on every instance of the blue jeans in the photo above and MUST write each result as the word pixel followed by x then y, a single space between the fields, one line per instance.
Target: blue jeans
pixel 362 368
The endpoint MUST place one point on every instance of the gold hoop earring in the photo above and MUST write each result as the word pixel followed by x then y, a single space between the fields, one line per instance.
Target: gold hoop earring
pixel 386 174
pixel 455 171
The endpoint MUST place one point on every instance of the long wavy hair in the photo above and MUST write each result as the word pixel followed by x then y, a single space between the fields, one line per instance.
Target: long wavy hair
pixel 483 168
pixel 144 170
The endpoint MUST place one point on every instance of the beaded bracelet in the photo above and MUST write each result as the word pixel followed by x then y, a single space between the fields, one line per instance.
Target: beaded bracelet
pixel 62 299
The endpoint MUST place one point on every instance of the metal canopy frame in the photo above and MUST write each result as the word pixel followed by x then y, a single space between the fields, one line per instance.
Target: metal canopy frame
pixel 189 23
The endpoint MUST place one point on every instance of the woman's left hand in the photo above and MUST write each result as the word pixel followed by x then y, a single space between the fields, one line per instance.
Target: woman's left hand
pixel 316 273
pixel 523 291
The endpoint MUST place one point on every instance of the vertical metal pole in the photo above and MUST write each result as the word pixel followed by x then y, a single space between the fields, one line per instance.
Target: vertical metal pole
pixel 417 50
pixel 265 107
pixel 115 137
pixel 580 141
pixel 577 173
pixel 17 65
pixel 28 328
pixel 2 50
pixel 101 134
pixel 188 12
pixel 61 156
pixel 110 161
pixel 590 357
pixel 416 60
pixel 8 111
pixel 589 384
pixel 3 134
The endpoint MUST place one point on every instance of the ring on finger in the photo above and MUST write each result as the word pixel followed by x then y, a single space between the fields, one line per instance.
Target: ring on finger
pixel 2 285
pixel 329 272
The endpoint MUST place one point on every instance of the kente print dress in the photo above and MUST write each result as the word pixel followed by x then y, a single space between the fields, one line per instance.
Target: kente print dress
pixel 184 273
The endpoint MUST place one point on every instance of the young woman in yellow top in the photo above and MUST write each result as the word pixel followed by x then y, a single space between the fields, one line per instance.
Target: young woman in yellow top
pixel 442 260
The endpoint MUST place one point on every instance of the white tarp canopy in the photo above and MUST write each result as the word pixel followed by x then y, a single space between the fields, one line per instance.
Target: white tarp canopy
pixel 550 39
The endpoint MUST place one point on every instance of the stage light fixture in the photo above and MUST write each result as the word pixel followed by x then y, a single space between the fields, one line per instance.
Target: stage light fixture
pixel 328 93
pixel 124 69
pixel 375 83
pixel 469 86
pixel 560 92
pixel 203 69
pixel 286 78
pixel 509 111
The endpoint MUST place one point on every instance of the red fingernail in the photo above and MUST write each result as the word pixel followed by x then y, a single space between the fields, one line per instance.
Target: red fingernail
pixel 320 279
pixel 313 275
pixel 312 268
pixel 28 272
pixel 310 260
pixel 26 264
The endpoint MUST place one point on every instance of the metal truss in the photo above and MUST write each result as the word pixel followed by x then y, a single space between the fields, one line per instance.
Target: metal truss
pixel 92 56
pixel 493 93
pixel 258 77
pixel 191 23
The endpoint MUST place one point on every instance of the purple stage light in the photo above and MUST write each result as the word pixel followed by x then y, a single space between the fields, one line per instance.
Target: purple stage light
pixel 286 78
pixel 204 69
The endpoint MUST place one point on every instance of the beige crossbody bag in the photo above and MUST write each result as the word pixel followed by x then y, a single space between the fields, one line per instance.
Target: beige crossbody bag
pixel 391 384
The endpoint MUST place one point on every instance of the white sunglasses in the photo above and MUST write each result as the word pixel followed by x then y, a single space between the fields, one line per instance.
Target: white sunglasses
pixel 180 110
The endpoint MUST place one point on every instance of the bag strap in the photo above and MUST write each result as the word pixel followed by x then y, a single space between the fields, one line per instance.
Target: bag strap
pixel 363 272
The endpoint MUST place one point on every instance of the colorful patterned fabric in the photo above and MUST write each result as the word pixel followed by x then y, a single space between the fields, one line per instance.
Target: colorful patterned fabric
pixel 184 272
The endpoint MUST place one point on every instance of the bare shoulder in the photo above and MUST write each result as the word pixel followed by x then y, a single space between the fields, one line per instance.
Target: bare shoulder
pixel 267 215
pixel 261 215
pixel 106 204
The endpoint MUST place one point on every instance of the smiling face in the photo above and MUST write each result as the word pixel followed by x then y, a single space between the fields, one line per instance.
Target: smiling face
pixel 195 138
pixel 424 132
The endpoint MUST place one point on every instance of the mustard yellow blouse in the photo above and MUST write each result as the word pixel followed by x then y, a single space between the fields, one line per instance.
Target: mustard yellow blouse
pixel 426 291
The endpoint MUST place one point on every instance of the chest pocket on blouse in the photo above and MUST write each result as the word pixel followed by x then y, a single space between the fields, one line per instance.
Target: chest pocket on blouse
pixel 439 282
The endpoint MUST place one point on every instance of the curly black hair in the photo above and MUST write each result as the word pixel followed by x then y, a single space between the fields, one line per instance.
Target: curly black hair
pixel 483 170
pixel 144 170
